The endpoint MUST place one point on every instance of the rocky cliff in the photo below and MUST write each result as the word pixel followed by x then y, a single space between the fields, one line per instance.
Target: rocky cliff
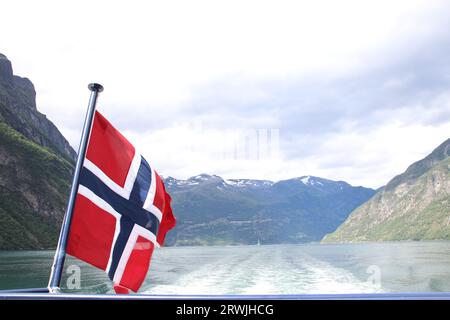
pixel 36 164
pixel 18 109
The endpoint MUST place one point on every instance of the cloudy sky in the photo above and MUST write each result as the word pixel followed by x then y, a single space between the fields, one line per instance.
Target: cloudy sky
pixel 346 90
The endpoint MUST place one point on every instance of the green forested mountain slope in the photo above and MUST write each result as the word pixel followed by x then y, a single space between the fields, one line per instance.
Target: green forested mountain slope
pixel 36 164
pixel 34 184
pixel 413 206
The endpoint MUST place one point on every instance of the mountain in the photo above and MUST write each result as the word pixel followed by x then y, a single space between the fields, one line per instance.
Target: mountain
pixel 214 211
pixel 18 110
pixel 36 165
pixel 414 205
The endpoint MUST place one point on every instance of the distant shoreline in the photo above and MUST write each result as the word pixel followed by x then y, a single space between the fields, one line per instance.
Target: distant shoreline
pixel 266 245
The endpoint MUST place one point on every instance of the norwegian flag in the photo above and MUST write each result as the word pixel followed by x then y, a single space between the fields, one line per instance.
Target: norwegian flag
pixel 122 210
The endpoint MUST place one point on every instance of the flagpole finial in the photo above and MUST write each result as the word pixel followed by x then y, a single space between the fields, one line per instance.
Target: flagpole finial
pixel 95 87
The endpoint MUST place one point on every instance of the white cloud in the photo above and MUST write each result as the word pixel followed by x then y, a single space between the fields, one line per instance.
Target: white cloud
pixel 245 64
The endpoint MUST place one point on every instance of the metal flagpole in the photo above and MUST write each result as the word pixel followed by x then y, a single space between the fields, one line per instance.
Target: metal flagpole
pixel 60 254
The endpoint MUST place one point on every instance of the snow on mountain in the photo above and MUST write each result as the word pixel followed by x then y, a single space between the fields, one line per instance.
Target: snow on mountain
pixel 305 180
pixel 308 181
pixel 248 183
pixel 212 210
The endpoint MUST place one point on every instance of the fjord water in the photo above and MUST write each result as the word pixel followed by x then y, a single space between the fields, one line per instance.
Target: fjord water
pixel 265 269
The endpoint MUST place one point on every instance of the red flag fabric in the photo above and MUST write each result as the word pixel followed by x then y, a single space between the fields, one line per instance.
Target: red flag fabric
pixel 122 210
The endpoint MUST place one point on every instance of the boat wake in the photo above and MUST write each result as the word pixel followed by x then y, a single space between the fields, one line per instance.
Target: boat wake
pixel 259 270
